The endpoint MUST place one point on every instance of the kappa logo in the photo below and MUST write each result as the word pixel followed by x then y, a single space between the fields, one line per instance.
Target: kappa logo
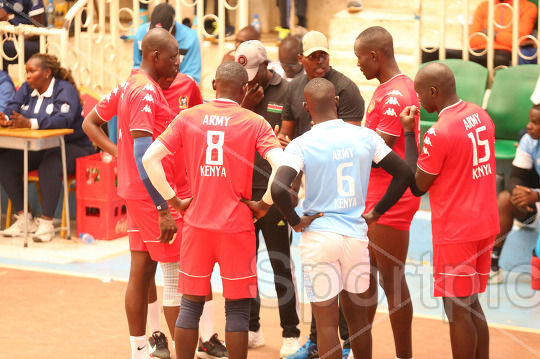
pixel 431 131
pixel 115 90
pixel 426 151
pixel 392 101
pixel 148 98
pixel 64 108
pixel 147 109
pixel 394 92
pixel 149 87
pixel 427 141
pixel 390 112
pixel 106 97
pixel 242 60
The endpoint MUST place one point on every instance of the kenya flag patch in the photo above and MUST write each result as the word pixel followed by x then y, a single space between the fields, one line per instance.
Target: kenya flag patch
pixel 274 108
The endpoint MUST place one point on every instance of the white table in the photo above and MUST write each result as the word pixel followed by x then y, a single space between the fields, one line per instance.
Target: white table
pixel 37 140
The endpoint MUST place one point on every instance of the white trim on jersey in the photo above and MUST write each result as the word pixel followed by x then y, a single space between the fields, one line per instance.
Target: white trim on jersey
pixel 434 174
pixel 523 160
pixel 387 133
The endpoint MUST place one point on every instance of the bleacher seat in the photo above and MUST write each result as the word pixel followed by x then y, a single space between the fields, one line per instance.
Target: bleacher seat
pixel 509 105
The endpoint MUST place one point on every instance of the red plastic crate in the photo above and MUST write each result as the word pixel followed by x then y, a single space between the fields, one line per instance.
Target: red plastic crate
pixel 103 219
pixel 96 178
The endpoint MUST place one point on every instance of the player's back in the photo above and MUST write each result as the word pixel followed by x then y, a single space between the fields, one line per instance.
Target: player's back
pixel 219 142
pixel 459 149
pixel 337 163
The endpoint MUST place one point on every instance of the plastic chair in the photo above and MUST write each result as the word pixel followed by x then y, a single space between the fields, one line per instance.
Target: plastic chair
pixel 509 104
pixel 471 83
pixel 89 100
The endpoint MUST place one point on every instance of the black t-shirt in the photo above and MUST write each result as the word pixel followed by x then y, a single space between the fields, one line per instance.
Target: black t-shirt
pixel 351 103
pixel 270 107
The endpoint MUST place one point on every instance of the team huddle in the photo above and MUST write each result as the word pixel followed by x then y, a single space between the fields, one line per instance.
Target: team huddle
pixel 186 169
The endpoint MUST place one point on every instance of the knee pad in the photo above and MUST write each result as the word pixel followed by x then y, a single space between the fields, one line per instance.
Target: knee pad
pixel 171 297
pixel 237 315
pixel 190 314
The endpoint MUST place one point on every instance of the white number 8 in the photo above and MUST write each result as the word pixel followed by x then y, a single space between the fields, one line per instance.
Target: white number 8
pixel 343 178
pixel 218 146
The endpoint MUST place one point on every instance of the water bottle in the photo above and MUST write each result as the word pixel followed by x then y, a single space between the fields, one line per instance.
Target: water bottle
pixel 50 14
pixel 86 238
pixel 256 23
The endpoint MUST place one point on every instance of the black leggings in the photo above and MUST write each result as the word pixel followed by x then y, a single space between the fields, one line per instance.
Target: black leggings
pixel 278 240
pixel 49 166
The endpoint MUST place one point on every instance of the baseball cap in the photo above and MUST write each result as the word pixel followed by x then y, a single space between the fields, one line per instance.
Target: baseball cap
pixel 314 41
pixel 163 16
pixel 251 54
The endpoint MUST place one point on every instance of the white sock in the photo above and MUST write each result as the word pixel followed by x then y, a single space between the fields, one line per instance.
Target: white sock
pixel 206 325
pixel 139 348
pixel 152 317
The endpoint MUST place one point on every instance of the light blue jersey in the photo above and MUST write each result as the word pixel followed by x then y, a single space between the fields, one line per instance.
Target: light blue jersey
pixel 528 154
pixel 336 159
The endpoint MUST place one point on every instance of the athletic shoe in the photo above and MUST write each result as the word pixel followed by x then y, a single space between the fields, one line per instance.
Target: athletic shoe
pixel 354 6
pixel 347 353
pixel 282 33
pixel 308 351
pixel 212 349
pixel 17 228
pixel 256 339
pixel 289 346
pixel 495 277
pixel 44 231
pixel 158 347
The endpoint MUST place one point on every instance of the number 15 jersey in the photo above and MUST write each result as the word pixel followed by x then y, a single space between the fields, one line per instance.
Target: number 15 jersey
pixel 459 149
pixel 219 140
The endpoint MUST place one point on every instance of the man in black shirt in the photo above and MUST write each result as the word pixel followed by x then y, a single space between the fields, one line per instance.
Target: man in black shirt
pixel 314 54
pixel 265 96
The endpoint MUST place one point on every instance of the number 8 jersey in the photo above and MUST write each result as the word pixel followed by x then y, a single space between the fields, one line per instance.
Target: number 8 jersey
pixel 336 158
pixel 459 149
pixel 219 140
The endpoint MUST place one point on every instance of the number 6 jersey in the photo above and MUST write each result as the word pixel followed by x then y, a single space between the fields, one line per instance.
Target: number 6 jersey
pixel 459 149
pixel 219 140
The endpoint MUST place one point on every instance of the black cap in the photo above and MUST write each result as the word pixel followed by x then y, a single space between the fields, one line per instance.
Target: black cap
pixel 163 16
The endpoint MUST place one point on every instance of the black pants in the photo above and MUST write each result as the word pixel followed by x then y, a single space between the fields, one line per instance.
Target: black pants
pixel 31 47
pixel 49 166
pixel 278 241
pixel 500 57
pixel 343 330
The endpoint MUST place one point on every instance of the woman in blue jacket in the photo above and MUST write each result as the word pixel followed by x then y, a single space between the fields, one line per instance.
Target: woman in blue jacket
pixel 48 99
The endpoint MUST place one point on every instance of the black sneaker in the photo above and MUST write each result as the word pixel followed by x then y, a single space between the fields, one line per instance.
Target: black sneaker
pixel 158 347
pixel 212 349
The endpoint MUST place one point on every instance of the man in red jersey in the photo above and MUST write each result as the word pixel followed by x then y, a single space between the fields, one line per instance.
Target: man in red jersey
pixel 219 140
pixel 143 113
pixel 389 238
pixel 457 166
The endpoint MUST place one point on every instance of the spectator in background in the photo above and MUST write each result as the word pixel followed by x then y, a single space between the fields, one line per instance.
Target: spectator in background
pixel 48 99
pixel 522 194
pixel 288 66
pixel 28 12
pixel 528 13
pixel 188 42
pixel 7 90
pixel 265 96
pixel 283 29
pixel 245 34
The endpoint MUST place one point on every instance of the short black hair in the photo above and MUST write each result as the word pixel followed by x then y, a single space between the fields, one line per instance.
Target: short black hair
pixel 163 16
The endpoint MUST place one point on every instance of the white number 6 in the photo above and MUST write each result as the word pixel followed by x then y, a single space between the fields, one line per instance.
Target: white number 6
pixel 343 178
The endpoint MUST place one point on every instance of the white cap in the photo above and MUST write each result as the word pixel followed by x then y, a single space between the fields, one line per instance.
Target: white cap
pixel 251 54
pixel 314 41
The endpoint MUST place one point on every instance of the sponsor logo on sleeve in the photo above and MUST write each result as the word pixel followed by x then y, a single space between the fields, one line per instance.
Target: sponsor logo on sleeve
pixel 64 108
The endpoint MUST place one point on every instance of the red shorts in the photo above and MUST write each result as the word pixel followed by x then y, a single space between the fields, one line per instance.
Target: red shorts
pixel 400 215
pixel 461 269
pixel 234 252
pixel 143 231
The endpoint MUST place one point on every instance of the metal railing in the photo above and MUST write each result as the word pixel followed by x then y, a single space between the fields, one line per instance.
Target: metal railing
pixel 443 19
pixel 94 53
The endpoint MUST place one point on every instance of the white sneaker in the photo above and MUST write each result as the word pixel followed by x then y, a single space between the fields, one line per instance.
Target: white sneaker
pixel 255 339
pixel 495 277
pixel 289 347
pixel 17 228
pixel 44 231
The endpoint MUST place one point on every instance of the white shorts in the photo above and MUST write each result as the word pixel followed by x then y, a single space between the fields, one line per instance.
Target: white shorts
pixel 332 262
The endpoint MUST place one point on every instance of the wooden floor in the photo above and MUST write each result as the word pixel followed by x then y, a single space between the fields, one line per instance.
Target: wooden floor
pixel 45 315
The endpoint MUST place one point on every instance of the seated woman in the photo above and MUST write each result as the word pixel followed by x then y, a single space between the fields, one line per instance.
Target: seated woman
pixel 48 99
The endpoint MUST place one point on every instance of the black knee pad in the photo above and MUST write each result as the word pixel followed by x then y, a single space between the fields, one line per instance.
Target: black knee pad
pixel 237 315
pixel 190 314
